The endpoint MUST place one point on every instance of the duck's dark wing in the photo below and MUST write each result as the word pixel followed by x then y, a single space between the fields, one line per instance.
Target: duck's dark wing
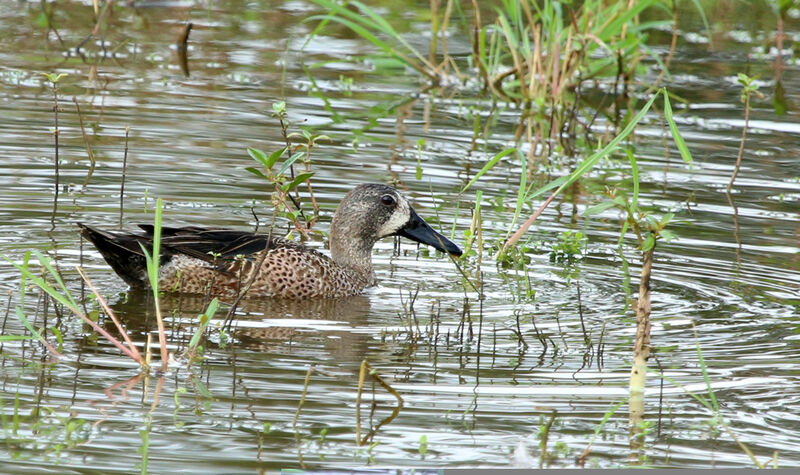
pixel 123 251
pixel 212 244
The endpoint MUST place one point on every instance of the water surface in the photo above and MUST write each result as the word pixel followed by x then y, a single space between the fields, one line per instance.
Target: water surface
pixel 478 376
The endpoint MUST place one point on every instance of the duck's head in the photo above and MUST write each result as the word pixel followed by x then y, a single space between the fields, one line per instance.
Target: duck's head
pixel 372 212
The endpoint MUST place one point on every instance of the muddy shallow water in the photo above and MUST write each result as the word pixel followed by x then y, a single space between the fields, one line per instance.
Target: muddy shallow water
pixel 479 377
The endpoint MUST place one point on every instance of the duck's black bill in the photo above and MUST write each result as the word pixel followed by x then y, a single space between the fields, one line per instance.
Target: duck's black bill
pixel 418 230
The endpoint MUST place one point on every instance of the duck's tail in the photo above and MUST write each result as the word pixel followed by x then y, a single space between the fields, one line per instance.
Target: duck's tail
pixel 123 253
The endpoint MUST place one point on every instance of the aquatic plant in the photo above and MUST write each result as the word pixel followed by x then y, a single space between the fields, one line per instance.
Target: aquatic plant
pixel 544 56
pixel 285 181
pixel 749 89
pixel 54 78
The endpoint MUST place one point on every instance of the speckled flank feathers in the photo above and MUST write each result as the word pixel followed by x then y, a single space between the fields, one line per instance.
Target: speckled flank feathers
pixel 284 270
pixel 228 263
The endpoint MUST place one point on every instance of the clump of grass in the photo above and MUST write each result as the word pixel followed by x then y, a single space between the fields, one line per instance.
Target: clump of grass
pixel 370 25
pixel 526 193
pixel 62 295
pixel 539 55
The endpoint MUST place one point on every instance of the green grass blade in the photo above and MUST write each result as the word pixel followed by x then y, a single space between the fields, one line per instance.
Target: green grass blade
pixel 675 383
pixel 47 263
pixel 205 318
pixel 587 164
pixel 367 35
pixel 153 259
pixel 489 166
pixel 705 22
pixel 615 27
pixel 385 28
pixel 21 316
pixel 288 163
pixel 15 337
pixel 635 171
pixel 44 285
pixel 673 127
pixel 520 192
pixel 706 378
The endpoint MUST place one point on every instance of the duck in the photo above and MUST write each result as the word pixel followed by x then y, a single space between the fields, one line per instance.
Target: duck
pixel 230 263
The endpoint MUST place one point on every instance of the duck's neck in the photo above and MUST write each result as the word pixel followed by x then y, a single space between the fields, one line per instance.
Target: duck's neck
pixel 352 251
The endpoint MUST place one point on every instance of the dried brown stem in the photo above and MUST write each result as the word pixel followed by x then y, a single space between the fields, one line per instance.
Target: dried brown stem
pixel 107 335
pixel 527 224
pixel 134 352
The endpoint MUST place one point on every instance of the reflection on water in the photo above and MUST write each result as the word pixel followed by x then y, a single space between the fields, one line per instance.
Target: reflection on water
pixel 480 376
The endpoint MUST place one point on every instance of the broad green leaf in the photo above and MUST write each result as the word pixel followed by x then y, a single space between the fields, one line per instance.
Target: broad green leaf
pixel 297 180
pixel 598 208
pixel 256 171
pixel 288 163
pixel 648 242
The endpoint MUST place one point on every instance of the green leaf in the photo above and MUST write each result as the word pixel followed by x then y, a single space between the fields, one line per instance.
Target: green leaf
pixel 635 171
pixel 648 242
pixel 520 192
pixel 49 266
pixel 673 127
pixel 489 166
pixel 204 319
pixel 587 164
pixel 274 157
pixel 15 337
pixel 279 107
pixel 614 27
pixel 28 325
pixel 53 77
pixel 41 21
pixel 67 300
pixel 262 158
pixel 288 163
pixel 598 208
pixel 257 155
pixel 297 180
pixel 779 99
pixel 668 235
pixel 257 172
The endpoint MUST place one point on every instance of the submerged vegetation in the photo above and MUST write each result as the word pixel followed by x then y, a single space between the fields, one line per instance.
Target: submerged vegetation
pixel 555 98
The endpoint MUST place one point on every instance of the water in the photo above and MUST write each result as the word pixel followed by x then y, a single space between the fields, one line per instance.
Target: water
pixel 478 378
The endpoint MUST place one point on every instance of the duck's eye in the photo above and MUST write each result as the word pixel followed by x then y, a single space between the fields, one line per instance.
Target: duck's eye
pixel 388 200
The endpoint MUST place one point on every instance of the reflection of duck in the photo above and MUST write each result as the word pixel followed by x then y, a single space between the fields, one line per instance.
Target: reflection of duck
pixel 223 262
pixel 265 324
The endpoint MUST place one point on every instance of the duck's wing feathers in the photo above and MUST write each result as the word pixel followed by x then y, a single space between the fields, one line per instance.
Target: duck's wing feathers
pixel 214 244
